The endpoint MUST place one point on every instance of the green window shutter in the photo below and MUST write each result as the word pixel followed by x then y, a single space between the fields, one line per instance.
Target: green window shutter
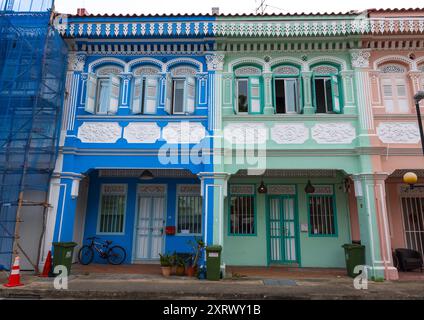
pixel 90 100
pixel 314 94
pixel 114 86
pixel 168 94
pixel 151 95
pixel 190 95
pixel 255 95
pixel 137 96
pixel 337 108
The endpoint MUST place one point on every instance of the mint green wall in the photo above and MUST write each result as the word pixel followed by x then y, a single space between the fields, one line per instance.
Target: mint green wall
pixel 314 251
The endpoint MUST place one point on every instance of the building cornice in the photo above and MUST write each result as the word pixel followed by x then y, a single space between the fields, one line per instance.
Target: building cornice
pixel 109 29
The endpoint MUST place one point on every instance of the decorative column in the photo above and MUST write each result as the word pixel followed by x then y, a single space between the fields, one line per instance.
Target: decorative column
pixel 308 108
pixel 269 108
pixel 126 89
pixel 214 191
pixel 373 225
pixel 360 63
pixel 348 92
pixel 74 79
pixel 215 63
pixel 66 208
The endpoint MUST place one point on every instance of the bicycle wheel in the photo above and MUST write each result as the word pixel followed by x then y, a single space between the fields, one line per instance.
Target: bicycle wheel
pixel 116 255
pixel 86 255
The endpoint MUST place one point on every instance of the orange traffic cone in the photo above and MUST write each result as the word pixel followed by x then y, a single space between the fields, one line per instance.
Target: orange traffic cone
pixel 15 277
pixel 47 266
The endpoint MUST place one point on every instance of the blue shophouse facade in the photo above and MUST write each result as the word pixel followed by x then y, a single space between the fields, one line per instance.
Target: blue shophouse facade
pixel 135 163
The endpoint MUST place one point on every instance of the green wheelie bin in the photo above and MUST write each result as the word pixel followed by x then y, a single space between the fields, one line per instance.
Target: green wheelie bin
pixel 355 256
pixel 213 263
pixel 63 254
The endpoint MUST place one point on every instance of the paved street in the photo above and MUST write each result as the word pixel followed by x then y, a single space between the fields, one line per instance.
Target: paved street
pixel 146 287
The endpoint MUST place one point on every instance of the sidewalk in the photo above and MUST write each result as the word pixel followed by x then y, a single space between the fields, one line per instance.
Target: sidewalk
pixel 85 285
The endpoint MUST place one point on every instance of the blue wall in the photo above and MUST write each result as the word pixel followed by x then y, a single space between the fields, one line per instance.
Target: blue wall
pixel 177 243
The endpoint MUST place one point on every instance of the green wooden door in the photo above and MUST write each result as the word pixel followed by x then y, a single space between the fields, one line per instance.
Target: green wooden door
pixel 282 230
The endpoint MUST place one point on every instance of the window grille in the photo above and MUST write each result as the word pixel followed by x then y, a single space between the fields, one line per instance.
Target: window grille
pixel 146 71
pixel 112 209
pixel 413 220
pixel 189 207
pixel 287 71
pixel 392 68
pixel 248 71
pixel 322 215
pixel 242 210
pixel 325 70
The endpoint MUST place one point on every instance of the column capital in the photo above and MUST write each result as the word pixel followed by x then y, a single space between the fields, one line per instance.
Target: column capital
pixel 215 61
pixel 360 58
pixel 214 175
pixel 370 176
pixel 77 61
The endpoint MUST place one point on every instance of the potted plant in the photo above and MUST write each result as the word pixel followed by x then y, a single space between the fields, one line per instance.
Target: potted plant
pixel 197 248
pixel 180 271
pixel 166 264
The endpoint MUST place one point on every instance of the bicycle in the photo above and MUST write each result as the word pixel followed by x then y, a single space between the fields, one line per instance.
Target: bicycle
pixel 114 255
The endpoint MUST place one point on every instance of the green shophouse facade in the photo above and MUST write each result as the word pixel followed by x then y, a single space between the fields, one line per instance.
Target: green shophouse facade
pixel 291 108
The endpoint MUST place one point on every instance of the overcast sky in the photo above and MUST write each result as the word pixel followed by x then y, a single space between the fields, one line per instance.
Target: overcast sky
pixel 227 6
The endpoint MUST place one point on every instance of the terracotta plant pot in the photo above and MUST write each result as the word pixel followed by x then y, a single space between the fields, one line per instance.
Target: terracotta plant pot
pixel 166 271
pixel 191 272
pixel 180 271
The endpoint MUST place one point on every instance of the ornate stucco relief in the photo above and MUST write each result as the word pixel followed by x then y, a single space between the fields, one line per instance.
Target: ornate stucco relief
pixel 246 133
pixel 334 133
pixel 360 58
pixel 398 132
pixel 289 133
pixel 215 61
pixel 142 132
pixel 99 132
pixel 184 132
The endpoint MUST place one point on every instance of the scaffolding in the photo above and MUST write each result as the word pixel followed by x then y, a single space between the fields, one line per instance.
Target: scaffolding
pixel 32 76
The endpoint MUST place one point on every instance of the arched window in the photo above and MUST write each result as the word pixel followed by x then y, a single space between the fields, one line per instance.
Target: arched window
pixel 248 89
pixel 181 90
pixel 326 88
pixel 103 88
pixel 394 88
pixel 286 89
pixel 145 90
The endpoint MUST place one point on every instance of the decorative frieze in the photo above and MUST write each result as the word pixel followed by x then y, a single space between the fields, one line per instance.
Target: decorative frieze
pixel 290 133
pixel 335 27
pixel 242 189
pixel 184 132
pixel 152 189
pixel 323 190
pixel 188 189
pixel 334 133
pixel 246 133
pixel 398 132
pixel 281 190
pixel 142 132
pixel 99 132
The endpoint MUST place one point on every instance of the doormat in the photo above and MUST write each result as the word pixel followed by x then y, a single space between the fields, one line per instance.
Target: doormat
pixel 279 282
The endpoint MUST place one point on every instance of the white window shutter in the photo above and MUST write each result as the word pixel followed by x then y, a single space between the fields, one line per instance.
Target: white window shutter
pixel 137 96
pixel 336 94
pixel 387 89
pixel 151 95
pixel 255 95
pixel 190 95
pixel 402 95
pixel 168 94
pixel 114 86
pixel 90 100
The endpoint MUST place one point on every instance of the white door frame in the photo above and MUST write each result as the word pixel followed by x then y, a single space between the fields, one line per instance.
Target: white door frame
pixel 148 190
